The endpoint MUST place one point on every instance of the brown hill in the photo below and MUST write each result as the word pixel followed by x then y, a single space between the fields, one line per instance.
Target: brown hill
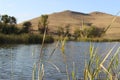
pixel 75 20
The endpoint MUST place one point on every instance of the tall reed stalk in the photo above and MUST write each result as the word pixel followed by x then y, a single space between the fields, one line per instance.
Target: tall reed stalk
pixel 114 18
pixel 95 66
pixel 40 63
pixel 64 56
pixel 12 72
pixel 40 73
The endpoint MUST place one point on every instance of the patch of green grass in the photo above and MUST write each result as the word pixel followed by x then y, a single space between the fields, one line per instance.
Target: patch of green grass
pixel 24 39
pixel 98 40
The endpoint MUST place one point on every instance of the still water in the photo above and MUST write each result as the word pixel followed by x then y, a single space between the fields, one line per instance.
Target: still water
pixel 16 61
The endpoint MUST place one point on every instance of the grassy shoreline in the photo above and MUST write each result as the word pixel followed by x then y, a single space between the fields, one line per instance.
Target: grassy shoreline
pixel 89 39
pixel 24 39
pixel 37 39
pixel 99 40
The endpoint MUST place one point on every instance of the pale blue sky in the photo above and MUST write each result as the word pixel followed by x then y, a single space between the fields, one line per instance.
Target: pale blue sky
pixel 28 9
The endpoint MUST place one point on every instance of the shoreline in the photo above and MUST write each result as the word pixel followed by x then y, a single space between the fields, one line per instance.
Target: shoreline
pixel 37 39
pixel 90 39
pixel 24 39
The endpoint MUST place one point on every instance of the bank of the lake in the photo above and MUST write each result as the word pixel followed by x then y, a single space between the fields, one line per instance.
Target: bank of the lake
pixel 38 38
pixel 98 40
pixel 94 39
pixel 24 39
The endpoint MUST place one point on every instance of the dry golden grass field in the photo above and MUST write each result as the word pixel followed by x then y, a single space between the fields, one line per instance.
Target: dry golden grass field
pixel 75 20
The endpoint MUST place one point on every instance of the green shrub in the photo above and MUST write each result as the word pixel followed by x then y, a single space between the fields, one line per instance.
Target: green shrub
pixel 77 34
pixel 8 29
pixel 92 32
pixel 49 39
pixel 35 38
pixel 26 27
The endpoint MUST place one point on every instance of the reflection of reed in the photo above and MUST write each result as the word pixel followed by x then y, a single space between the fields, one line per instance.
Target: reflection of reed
pixel 12 68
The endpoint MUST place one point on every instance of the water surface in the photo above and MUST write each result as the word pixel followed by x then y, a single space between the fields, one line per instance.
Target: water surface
pixel 16 61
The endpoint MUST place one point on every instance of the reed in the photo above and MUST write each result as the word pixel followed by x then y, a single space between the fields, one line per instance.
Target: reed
pixel 94 66
pixel 64 56
pixel 41 62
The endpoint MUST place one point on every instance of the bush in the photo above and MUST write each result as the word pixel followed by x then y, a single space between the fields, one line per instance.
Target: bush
pixel 92 31
pixel 49 39
pixel 77 33
pixel 35 38
pixel 26 27
pixel 8 29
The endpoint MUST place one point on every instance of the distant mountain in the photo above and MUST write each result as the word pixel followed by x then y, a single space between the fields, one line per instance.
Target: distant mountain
pixel 75 20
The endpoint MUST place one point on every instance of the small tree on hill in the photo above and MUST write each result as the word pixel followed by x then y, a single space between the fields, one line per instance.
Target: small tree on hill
pixel 92 32
pixel 43 24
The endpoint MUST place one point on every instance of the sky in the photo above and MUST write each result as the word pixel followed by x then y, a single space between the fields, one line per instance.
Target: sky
pixel 27 9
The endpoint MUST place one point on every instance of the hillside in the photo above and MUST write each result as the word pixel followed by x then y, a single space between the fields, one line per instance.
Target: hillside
pixel 75 20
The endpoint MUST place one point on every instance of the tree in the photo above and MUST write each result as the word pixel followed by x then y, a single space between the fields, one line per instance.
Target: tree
pixel 8 24
pixel 8 19
pixel 5 19
pixel 26 27
pixel 43 24
pixel 13 20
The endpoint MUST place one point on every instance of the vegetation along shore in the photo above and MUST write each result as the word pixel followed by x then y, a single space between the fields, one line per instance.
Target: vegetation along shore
pixel 26 32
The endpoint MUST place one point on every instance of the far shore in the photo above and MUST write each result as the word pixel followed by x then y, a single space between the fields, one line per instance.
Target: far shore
pixel 38 38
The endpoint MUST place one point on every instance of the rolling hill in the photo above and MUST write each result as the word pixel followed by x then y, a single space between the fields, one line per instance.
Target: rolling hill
pixel 75 20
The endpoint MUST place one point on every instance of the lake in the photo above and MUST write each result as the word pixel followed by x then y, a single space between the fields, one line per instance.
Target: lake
pixel 16 61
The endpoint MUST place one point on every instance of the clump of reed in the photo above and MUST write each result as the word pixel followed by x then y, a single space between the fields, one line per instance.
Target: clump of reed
pixel 94 66
pixel 38 67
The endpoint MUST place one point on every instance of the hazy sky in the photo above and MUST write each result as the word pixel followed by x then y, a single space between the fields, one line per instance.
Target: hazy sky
pixel 28 9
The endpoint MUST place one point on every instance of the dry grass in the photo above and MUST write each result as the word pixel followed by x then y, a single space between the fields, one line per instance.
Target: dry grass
pixel 98 19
